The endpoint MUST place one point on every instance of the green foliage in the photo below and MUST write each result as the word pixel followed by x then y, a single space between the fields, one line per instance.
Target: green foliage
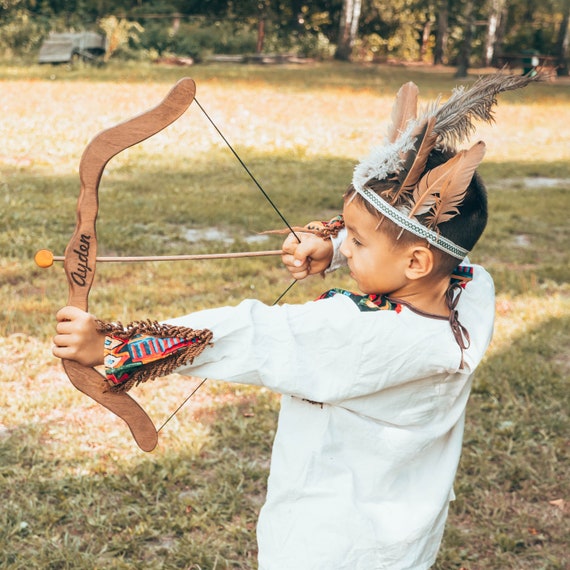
pixel 120 33
pixel 199 38
pixel 401 29
pixel 541 35
pixel 21 34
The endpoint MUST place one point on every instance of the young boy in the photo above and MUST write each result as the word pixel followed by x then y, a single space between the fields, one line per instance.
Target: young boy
pixel 374 385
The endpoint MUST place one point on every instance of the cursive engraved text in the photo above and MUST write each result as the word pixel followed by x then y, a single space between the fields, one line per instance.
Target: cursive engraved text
pixel 82 268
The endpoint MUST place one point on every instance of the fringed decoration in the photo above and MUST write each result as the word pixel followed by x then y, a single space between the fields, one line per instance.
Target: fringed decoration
pixel 324 230
pixel 327 230
pixel 144 350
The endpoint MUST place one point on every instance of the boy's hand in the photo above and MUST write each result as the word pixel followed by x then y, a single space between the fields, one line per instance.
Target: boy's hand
pixel 77 337
pixel 313 255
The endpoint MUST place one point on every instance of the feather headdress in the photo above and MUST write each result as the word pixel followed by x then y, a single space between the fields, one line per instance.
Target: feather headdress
pixel 437 194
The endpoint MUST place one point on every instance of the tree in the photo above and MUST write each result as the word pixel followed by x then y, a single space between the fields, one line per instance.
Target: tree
pixel 500 32
pixel 442 32
pixel 348 29
pixel 493 28
pixel 563 41
pixel 118 32
pixel 466 45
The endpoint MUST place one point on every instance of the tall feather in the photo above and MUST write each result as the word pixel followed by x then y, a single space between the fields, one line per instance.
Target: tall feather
pixel 405 108
pixel 416 159
pixel 442 190
pixel 454 118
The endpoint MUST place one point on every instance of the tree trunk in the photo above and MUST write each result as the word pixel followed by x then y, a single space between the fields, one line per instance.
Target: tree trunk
pixel 562 43
pixel 442 32
pixel 260 33
pixel 465 50
pixel 426 31
pixel 500 35
pixel 492 30
pixel 348 28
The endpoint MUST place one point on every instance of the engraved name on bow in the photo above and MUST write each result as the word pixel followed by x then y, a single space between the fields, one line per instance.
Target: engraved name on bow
pixel 82 268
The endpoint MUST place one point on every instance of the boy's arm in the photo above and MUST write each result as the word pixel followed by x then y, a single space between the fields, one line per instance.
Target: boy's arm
pixel 132 353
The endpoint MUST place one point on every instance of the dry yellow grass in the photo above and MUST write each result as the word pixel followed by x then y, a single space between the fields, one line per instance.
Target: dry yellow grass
pixel 46 125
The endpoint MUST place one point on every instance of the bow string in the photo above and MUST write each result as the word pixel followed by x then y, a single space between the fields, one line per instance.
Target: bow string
pixel 81 252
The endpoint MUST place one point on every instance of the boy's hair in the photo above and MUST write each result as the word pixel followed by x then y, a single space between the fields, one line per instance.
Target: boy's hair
pixel 464 229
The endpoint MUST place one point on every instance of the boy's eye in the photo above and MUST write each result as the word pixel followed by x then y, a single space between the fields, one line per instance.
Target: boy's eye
pixel 356 242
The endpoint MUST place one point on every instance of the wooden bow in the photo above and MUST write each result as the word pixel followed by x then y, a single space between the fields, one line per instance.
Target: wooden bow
pixel 81 252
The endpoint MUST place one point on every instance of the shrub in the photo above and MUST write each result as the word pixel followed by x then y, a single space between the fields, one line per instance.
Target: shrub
pixel 20 34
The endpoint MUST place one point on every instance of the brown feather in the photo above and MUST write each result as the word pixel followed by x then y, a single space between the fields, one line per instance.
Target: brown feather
pixel 416 159
pixel 449 123
pixel 454 118
pixel 405 108
pixel 427 192
pixel 443 188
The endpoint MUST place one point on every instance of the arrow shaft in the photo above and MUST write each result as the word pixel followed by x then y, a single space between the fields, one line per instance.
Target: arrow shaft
pixel 197 257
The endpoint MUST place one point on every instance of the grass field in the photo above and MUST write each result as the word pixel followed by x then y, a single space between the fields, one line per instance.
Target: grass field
pixel 76 492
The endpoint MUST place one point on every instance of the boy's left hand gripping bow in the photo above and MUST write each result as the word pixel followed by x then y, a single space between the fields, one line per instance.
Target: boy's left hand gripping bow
pixel 81 252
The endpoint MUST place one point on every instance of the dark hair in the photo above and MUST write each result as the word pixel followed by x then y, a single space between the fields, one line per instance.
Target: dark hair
pixel 464 229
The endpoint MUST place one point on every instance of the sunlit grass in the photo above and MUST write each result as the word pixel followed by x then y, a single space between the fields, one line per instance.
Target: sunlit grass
pixel 76 492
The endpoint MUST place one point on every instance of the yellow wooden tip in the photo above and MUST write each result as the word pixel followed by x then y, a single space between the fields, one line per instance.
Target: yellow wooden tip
pixel 44 258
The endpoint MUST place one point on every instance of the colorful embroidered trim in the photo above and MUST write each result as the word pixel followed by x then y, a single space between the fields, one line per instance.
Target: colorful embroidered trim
pixel 325 230
pixel 144 350
pixel 329 229
pixel 365 302
pixel 461 276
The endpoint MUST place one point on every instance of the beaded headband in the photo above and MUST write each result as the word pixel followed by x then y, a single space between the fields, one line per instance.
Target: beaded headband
pixel 438 193
pixel 412 225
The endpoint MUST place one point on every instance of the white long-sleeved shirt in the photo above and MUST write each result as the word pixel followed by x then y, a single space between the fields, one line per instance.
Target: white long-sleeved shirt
pixel 370 427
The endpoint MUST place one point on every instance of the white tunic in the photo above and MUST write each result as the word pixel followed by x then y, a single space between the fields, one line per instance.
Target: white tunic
pixel 362 479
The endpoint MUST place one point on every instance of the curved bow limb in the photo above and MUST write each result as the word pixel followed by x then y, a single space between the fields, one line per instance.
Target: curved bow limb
pixel 81 251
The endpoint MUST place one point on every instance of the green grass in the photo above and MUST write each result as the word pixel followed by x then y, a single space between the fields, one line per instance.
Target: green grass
pixel 76 492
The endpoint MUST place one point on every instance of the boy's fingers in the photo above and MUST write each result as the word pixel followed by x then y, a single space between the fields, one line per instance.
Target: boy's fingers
pixel 64 352
pixel 290 244
pixel 62 340
pixel 298 275
pixel 68 313
pixel 304 251
pixel 63 327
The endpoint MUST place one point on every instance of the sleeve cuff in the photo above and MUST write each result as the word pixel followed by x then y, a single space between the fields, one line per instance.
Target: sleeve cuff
pixel 144 350
pixel 338 260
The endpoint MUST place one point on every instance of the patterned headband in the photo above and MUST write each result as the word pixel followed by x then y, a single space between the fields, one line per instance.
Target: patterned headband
pixel 412 225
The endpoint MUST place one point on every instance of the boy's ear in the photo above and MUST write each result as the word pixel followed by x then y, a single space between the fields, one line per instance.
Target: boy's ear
pixel 420 262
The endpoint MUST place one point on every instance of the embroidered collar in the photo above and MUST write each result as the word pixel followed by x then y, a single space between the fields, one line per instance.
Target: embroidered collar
pixel 365 302
pixel 461 276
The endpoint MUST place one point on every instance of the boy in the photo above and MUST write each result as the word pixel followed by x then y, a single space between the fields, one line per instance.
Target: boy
pixel 375 384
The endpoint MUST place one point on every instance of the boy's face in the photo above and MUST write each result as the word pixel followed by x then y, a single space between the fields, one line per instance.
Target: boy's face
pixel 376 262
